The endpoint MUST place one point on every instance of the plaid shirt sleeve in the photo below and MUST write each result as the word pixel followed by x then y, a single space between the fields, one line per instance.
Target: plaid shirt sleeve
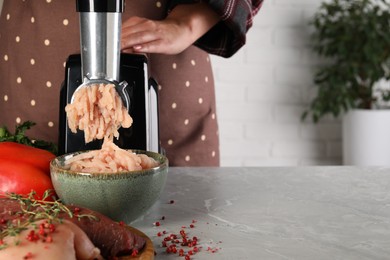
pixel 229 35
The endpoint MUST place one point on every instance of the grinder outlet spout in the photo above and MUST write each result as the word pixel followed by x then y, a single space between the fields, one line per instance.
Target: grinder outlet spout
pixel 121 89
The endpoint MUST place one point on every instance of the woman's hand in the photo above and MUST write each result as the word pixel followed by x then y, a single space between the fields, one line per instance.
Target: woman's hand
pixel 143 35
pixel 183 26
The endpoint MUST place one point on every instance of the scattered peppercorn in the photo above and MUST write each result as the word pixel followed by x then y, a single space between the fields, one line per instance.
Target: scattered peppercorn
pixel 29 255
pixel 182 244
pixel 134 253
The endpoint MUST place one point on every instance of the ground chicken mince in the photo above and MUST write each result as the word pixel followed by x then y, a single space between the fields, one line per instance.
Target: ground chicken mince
pixel 98 111
pixel 110 159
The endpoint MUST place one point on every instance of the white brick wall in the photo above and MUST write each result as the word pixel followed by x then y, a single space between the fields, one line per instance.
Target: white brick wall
pixel 263 90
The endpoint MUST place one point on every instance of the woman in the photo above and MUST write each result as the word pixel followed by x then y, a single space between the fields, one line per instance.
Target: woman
pixel 37 36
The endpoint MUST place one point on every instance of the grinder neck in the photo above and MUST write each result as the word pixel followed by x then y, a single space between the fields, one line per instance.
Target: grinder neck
pixel 100 32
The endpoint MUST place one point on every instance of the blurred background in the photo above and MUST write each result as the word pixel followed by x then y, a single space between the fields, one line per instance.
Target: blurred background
pixel 263 90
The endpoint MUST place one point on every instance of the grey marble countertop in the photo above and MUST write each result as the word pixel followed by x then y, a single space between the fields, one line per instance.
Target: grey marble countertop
pixel 326 212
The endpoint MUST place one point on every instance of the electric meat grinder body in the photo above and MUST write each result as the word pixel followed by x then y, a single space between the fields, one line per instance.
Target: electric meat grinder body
pixel 101 61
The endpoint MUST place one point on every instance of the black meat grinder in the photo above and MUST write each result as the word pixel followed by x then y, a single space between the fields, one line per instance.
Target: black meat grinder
pixel 101 61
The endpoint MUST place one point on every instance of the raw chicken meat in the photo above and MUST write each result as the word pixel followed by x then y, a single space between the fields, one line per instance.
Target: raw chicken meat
pixel 66 242
pixel 111 237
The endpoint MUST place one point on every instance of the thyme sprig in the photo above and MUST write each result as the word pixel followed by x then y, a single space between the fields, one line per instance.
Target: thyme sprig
pixel 32 210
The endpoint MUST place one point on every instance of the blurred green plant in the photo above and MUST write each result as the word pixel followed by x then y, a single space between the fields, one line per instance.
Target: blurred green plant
pixel 354 36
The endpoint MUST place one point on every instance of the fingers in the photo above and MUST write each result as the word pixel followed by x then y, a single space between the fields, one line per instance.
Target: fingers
pixel 133 21
pixel 137 31
pixel 157 46
pixel 140 38
pixel 146 36
pixel 136 24
pixel 140 35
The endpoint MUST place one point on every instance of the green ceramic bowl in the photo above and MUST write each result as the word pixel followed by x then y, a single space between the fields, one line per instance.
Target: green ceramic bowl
pixel 123 196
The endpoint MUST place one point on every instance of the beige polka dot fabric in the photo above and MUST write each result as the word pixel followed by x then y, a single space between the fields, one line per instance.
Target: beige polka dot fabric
pixel 34 45
pixel 36 38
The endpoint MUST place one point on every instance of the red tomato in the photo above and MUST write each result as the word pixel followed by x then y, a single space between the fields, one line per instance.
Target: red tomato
pixel 26 154
pixel 22 178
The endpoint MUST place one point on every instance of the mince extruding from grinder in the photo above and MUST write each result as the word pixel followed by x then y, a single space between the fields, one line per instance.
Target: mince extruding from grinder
pixel 98 110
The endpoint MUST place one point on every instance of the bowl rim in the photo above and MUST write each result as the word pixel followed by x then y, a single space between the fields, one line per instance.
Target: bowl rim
pixel 54 163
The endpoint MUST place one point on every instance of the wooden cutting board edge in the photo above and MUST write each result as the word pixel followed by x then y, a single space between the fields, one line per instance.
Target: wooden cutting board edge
pixel 147 252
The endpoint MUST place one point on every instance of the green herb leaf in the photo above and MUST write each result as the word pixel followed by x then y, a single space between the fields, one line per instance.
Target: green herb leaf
pixel 20 137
